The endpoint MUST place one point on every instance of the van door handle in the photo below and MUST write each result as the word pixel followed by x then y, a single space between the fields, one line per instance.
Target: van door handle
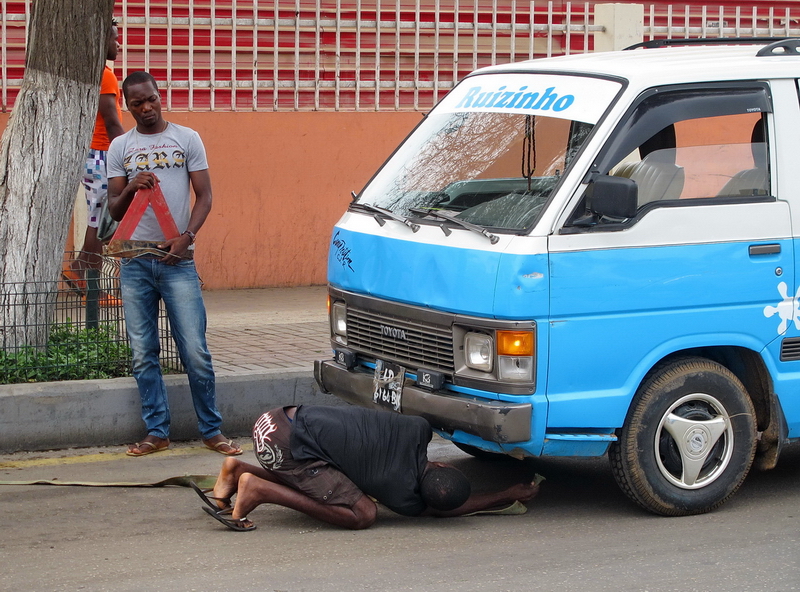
pixel 765 249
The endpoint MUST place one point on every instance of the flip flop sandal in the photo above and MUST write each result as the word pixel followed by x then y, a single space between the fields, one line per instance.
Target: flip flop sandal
pixel 151 448
pixel 240 525
pixel 210 499
pixel 217 448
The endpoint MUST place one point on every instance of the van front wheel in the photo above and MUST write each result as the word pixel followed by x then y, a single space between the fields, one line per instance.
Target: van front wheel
pixel 688 441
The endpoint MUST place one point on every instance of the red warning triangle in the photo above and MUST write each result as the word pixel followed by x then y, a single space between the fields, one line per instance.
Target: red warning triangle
pixel 144 197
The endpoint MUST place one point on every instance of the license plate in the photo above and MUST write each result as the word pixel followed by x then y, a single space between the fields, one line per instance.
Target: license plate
pixel 388 385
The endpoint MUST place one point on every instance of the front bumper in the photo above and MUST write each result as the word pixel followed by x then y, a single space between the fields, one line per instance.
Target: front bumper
pixel 493 421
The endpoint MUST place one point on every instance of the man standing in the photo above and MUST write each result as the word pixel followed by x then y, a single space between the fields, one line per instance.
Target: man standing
pixel 157 152
pixel 95 181
pixel 328 462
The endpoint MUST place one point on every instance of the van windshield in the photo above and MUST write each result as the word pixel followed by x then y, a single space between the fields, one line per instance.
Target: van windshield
pixel 493 150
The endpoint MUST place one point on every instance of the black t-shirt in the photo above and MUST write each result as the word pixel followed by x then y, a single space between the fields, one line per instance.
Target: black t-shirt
pixel 383 453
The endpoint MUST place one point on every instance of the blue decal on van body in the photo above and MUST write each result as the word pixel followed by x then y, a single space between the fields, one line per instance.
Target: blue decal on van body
pixel 616 312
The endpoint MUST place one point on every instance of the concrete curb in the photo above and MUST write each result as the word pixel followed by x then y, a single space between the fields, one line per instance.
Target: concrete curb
pixel 54 415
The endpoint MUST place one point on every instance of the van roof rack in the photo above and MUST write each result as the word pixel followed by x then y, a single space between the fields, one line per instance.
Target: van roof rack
pixel 654 43
pixel 782 47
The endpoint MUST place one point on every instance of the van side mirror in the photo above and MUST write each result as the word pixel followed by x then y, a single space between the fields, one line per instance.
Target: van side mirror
pixel 616 197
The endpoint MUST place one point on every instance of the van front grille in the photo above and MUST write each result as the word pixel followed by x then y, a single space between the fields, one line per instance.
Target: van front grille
pixel 410 343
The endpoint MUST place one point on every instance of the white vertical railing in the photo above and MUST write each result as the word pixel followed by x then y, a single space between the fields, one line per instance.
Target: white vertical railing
pixel 586 19
pixel 234 52
pixel 275 55
pixel 338 56
pixel 436 47
pixel 212 58
pixel 377 75
pixel 254 60
pixel 317 56
pixel 475 29
pixel 568 34
pixel 397 54
pixel 3 54
pixel 124 64
pixel 358 56
pixel 147 30
pixel 170 29
pixel 416 52
pixel 191 58
pixel 530 29
pixel 456 47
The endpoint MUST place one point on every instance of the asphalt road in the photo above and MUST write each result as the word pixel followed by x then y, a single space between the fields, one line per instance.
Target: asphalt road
pixel 581 533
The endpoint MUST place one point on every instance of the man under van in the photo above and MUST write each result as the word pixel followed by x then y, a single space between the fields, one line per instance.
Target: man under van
pixel 331 462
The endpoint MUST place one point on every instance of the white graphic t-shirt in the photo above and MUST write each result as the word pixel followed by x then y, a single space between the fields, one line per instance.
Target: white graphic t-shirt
pixel 171 156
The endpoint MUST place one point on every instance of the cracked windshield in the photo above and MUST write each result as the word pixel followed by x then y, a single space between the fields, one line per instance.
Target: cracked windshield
pixel 493 150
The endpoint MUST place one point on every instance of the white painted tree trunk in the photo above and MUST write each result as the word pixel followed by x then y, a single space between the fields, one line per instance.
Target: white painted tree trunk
pixel 41 156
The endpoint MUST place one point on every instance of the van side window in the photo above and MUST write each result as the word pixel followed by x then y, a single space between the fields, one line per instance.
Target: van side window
pixel 690 145
pixel 722 156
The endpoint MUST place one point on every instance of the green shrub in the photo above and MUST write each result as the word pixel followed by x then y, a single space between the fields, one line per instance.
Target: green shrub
pixel 72 353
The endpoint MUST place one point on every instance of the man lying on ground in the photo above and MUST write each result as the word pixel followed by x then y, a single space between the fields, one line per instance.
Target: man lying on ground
pixel 328 462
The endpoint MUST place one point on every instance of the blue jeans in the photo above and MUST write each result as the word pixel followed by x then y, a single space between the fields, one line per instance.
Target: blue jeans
pixel 145 281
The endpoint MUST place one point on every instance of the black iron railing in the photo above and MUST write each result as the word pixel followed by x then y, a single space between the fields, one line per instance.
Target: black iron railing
pixel 71 329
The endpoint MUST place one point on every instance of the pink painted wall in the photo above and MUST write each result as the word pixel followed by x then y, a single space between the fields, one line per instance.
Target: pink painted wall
pixel 281 181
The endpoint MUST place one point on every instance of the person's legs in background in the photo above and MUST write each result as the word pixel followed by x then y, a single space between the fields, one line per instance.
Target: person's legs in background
pixel 95 185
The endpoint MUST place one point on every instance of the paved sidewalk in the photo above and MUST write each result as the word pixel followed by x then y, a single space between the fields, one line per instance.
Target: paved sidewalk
pixel 266 329
pixel 263 343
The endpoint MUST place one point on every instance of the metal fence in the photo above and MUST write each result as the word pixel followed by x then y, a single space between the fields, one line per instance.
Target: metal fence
pixel 278 55
pixel 320 54
pixel 745 19
pixel 84 325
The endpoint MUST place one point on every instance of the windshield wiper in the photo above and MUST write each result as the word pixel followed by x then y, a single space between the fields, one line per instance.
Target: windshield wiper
pixel 381 213
pixel 493 238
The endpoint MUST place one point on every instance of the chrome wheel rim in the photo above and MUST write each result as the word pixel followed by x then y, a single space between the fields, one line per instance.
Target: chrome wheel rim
pixel 694 441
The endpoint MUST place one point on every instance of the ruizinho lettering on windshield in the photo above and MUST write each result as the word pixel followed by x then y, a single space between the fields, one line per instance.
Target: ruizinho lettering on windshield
pixel 477 98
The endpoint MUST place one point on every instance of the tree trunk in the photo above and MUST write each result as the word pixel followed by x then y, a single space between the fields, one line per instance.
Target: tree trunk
pixel 41 156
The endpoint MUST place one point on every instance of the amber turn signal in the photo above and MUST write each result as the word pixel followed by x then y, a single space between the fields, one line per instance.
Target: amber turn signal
pixel 515 343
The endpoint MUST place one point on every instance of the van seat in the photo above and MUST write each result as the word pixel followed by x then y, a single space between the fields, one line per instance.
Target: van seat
pixel 749 182
pixel 656 178
pixel 753 181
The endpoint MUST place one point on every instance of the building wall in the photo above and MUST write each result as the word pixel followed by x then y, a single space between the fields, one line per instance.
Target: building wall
pixel 281 181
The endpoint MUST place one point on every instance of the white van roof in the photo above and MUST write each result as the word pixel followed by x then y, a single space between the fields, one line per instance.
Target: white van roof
pixel 646 67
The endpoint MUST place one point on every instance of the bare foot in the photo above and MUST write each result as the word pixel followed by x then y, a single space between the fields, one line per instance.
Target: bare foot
pixel 227 481
pixel 246 498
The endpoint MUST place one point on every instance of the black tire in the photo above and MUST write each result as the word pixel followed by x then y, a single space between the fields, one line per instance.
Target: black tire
pixel 702 405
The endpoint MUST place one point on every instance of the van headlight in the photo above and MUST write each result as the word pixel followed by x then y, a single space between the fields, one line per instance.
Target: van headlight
pixel 339 322
pixel 495 356
pixel 479 351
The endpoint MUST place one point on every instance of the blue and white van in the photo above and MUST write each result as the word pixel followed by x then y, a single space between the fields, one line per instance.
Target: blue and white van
pixel 586 255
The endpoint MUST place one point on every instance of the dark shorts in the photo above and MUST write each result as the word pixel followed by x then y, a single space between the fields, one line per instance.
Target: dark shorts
pixel 316 479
